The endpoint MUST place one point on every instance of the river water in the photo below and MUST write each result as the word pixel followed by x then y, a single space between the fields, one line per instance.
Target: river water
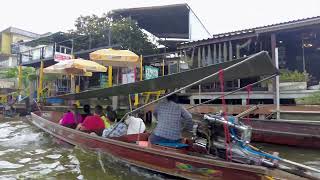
pixel 27 152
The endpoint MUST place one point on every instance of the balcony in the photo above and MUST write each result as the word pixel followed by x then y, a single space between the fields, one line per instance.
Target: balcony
pixel 47 53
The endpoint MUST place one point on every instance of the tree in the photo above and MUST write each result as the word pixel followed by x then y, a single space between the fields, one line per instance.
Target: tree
pixel 126 32
pixel 95 31
pixel 27 72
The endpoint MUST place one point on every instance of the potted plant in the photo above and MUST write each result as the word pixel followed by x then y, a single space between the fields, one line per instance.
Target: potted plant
pixel 293 80
pixel 312 99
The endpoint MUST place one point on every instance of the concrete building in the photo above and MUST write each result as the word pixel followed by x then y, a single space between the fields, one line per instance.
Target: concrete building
pixel 9 38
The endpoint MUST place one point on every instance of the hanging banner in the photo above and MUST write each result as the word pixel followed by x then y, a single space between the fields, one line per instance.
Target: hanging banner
pixel 61 56
pixel 103 80
pixel 151 72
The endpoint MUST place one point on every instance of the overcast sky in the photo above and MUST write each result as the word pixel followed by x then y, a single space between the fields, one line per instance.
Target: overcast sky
pixel 41 16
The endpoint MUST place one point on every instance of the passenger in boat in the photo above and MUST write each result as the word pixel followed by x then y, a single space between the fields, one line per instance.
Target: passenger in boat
pixel 135 125
pixel 93 123
pixel 71 118
pixel 86 110
pixel 115 130
pixel 172 119
pixel 106 121
pixel 111 114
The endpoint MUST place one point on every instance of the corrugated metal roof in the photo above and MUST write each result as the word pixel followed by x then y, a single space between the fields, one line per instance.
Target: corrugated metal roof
pixel 262 29
pixel 167 21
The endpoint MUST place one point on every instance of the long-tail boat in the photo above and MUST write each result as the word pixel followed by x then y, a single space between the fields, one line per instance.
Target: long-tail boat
pixel 207 155
pixel 286 132
pixel 299 133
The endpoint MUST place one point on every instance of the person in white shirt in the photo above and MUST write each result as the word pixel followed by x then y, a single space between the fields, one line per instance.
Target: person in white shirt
pixel 135 125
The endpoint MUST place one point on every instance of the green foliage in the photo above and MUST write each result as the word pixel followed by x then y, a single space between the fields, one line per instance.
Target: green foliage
pixel 313 99
pixel 292 76
pixel 127 33
pixel 27 72
pixel 12 73
pixel 95 31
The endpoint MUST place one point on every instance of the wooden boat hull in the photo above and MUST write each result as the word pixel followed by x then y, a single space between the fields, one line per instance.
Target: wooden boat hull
pixel 286 132
pixel 159 160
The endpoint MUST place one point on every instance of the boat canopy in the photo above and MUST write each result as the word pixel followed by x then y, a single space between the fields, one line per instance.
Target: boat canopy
pixel 256 65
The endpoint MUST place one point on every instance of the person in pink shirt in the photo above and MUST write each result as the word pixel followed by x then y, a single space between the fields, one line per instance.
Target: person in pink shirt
pixel 71 118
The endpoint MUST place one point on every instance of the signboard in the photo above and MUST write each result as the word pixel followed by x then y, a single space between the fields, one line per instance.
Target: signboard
pixel 151 72
pixel 128 78
pixel 61 56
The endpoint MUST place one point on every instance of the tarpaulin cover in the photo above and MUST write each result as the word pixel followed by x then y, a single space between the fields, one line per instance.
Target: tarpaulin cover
pixel 252 66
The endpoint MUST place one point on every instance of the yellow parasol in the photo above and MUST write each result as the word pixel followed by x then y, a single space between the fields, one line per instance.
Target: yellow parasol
pixel 117 58
pixel 75 67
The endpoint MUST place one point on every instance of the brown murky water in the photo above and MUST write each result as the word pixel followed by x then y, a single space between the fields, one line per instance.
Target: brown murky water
pixel 27 152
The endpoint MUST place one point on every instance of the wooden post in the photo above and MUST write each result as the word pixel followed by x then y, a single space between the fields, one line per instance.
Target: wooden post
pixel 192 59
pixel 214 53
pixel 199 56
pixel 204 61
pixel 237 51
pixel 209 59
pixel 109 76
pixel 225 52
pixel 40 81
pixel 141 68
pixel 73 83
pixel 178 64
pixel 163 65
pixel 20 77
pixel 219 53
pixel 118 75
pixel 230 51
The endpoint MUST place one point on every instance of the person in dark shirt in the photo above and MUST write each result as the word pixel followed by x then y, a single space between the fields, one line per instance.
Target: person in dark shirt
pixel 86 110
pixel 172 119
pixel 111 115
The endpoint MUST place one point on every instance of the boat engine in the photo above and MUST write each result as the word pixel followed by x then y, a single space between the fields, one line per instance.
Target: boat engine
pixel 211 133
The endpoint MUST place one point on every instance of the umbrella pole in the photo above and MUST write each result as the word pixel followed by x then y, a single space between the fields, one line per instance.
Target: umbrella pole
pixel 109 76
pixel 78 90
pixel 40 81
pixel 136 96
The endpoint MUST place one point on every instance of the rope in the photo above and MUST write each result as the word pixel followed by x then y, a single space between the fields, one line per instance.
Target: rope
pixel 225 126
